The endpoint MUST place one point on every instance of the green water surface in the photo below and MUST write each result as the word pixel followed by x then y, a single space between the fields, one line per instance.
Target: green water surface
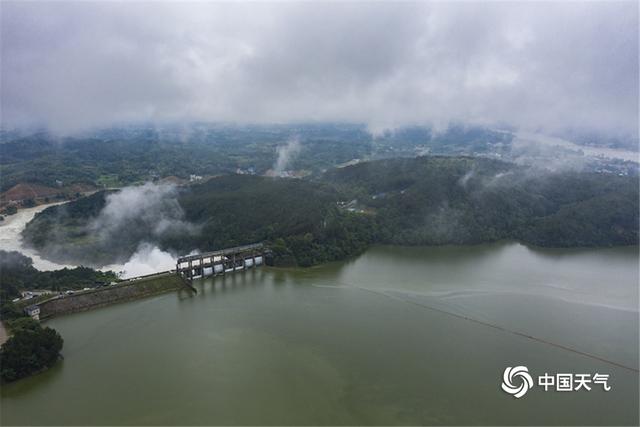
pixel 388 338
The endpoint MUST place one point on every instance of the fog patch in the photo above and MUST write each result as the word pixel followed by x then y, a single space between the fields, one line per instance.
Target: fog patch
pixel 466 177
pixel 501 178
pixel 381 130
pixel 445 224
pixel 152 208
pixel 545 153
pixel 286 154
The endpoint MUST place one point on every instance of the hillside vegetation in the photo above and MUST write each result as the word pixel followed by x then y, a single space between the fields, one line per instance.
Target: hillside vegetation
pixel 418 201
pixel 122 156
pixel 299 219
pixel 438 200
pixel 18 273
pixel 30 349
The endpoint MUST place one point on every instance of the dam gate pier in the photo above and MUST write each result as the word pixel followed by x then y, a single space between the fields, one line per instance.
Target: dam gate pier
pixel 221 262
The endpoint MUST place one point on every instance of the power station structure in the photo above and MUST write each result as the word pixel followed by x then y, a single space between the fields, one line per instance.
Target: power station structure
pixel 222 262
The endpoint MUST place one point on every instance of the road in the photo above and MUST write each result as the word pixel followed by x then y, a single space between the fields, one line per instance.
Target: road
pixel 3 334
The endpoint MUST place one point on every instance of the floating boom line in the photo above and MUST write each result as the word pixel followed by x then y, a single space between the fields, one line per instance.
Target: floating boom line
pixel 497 327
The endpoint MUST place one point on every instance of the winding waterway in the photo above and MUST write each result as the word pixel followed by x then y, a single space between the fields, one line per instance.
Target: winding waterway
pixel 146 260
pixel 11 238
pixel 397 336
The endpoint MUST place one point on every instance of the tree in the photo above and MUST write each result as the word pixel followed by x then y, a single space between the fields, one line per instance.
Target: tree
pixel 28 203
pixel 23 323
pixel 30 350
pixel 9 311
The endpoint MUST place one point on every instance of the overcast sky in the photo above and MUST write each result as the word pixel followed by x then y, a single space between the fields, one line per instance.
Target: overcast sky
pixel 549 66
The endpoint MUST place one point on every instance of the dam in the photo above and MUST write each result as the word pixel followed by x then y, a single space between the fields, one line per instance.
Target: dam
pixel 221 262
pixel 188 267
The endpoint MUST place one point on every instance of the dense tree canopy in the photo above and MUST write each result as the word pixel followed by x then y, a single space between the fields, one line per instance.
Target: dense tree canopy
pixel 438 200
pixel 416 201
pixel 18 273
pixel 117 157
pixel 29 350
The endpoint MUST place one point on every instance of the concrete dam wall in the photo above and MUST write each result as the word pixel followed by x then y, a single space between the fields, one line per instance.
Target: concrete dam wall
pixel 124 291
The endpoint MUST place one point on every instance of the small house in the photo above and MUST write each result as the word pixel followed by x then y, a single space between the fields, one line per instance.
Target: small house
pixel 33 311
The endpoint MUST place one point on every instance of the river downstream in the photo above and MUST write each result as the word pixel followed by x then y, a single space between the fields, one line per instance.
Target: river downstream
pixel 396 336
pixel 11 239
pixel 146 260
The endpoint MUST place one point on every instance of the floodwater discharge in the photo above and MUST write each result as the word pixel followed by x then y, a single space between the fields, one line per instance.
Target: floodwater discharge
pixel 396 336
pixel 147 259
pixel 11 239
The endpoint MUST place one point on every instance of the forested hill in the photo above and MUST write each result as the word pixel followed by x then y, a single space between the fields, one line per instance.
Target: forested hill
pixel 425 200
pixel 437 200
pixel 299 218
pixel 123 156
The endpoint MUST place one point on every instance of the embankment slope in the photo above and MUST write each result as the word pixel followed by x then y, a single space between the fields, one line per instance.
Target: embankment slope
pixel 124 291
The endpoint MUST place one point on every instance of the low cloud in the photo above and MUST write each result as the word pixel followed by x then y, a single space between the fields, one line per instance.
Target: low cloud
pixel 286 154
pixel 150 208
pixel 466 177
pixel 137 222
pixel 541 66
pixel 549 154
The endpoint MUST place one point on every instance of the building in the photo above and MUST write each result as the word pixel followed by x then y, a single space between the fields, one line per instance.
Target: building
pixel 33 311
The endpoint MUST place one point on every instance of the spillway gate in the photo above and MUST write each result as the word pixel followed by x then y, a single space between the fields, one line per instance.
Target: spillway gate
pixel 221 262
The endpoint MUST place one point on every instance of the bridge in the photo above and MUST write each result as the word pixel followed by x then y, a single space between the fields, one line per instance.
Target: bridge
pixel 221 262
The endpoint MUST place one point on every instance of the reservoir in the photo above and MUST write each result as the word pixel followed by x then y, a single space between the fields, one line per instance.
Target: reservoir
pixel 396 336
